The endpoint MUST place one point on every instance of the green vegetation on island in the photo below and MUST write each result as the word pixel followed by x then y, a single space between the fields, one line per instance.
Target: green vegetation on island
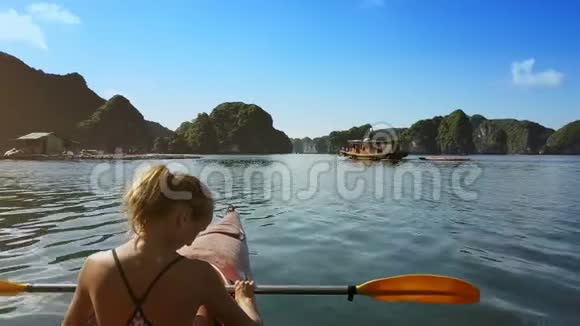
pixel 34 101
pixel 116 123
pixel 488 137
pixel 454 134
pixel 331 143
pixel 338 139
pixel 234 127
pixel 458 133
pixel 566 140
pixel 157 130
pixel 421 137
pixel 522 137
pixel 200 134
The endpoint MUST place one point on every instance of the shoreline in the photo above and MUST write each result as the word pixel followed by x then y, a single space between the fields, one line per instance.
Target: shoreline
pixel 134 157
pixel 104 157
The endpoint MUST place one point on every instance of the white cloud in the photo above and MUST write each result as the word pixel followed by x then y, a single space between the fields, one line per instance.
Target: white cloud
pixel 373 3
pixel 15 27
pixel 50 12
pixel 25 28
pixel 523 74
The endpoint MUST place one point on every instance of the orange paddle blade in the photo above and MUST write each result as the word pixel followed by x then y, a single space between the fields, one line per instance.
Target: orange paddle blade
pixel 421 288
pixel 9 288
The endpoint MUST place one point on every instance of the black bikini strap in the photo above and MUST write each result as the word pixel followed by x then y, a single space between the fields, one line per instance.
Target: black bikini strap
pixel 125 280
pixel 139 301
pixel 163 271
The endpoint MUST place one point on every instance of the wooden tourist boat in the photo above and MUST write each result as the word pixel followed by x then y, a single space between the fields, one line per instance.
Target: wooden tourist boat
pixel 372 150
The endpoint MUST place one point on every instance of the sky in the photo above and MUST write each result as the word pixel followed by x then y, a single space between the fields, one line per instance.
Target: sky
pixel 315 66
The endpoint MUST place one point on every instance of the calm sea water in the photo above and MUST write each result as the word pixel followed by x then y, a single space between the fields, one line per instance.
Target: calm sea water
pixel 509 224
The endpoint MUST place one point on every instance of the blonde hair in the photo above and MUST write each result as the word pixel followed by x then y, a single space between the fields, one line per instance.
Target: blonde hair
pixel 157 192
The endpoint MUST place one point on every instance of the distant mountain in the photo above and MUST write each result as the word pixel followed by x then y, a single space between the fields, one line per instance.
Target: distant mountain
pixel 331 143
pixel 510 136
pixel 338 139
pixel 304 145
pixel 31 100
pixel 454 134
pixel 334 141
pixel 488 137
pixel 157 130
pixel 307 145
pixel 116 123
pixel 34 101
pixel 234 127
pixel 458 133
pixel 421 137
pixel 566 140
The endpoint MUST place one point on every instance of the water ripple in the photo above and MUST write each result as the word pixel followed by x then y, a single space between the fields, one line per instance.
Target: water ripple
pixel 519 240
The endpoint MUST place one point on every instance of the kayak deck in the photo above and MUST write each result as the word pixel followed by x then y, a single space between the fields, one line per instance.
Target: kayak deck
pixel 223 245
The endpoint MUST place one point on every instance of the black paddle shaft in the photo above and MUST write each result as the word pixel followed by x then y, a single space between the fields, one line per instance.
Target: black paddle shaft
pixel 265 289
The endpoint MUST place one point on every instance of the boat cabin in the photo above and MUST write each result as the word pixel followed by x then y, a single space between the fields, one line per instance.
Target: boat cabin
pixel 368 149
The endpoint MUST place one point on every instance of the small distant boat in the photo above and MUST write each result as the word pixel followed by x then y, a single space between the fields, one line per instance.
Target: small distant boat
pixel 445 158
pixel 372 150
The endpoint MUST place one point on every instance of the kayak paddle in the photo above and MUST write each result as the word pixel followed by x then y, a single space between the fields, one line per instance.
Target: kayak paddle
pixel 421 288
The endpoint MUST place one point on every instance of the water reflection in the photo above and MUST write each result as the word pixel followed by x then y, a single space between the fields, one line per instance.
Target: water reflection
pixel 238 161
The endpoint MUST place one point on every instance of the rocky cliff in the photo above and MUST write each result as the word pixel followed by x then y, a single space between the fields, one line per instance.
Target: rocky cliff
pixel 454 134
pixel 421 137
pixel 234 127
pixel 488 138
pixel 304 145
pixel 509 136
pixel 457 133
pixel 566 140
pixel 32 101
pixel 116 123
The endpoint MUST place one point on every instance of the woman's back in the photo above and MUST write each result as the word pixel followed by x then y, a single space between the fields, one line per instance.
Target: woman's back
pixel 144 281
pixel 149 289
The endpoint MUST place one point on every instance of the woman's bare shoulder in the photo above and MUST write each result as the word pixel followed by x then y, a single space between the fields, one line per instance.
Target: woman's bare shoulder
pixel 98 263
pixel 195 266
pixel 100 258
pixel 197 272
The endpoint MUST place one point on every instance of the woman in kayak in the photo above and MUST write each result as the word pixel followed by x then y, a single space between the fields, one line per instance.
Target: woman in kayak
pixel 144 281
